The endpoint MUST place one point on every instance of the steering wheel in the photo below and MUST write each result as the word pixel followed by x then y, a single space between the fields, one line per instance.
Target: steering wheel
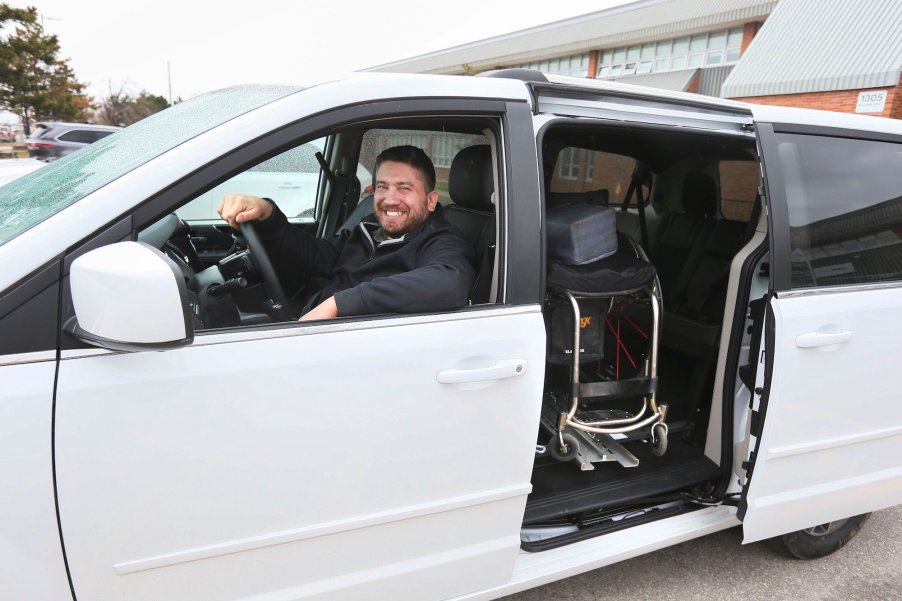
pixel 270 280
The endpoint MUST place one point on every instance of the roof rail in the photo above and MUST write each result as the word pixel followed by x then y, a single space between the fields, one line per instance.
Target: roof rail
pixel 519 74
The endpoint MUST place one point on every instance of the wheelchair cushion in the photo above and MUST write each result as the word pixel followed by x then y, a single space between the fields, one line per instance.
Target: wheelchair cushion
pixel 621 273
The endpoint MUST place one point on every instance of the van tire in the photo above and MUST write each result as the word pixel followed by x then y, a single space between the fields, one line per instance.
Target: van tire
pixel 824 539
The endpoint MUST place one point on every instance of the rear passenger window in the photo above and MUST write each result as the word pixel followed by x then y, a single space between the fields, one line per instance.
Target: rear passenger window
pixel 845 209
pixel 84 136
pixel 584 170
pixel 98 135
pixel 76 135
pixel 738 188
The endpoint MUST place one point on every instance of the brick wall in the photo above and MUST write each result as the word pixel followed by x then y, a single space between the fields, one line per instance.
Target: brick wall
pixel 692 88
pixel 842 101
pixel 749 31
pixel 593 64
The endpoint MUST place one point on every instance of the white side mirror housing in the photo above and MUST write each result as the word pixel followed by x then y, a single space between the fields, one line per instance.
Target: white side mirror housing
pixel 129 296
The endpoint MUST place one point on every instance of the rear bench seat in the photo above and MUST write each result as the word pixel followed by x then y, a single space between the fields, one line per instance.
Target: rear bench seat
pixel 693 251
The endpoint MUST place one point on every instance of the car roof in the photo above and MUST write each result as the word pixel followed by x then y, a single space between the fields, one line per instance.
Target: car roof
pixel 50 124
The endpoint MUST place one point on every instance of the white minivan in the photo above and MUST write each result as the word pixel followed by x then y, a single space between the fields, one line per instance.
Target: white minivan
pixel 168 430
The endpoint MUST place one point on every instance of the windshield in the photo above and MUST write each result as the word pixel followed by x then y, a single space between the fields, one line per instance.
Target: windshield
pixel 32 198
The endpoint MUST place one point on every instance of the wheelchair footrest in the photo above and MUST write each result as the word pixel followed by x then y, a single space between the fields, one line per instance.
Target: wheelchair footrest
pixel 616 388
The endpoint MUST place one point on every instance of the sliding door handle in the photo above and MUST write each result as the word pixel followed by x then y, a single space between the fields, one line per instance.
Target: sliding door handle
pixel 815 339
pixel 506 368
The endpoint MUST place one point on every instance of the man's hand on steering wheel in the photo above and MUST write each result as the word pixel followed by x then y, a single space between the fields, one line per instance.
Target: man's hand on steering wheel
pixel 241 208
pixel 242 212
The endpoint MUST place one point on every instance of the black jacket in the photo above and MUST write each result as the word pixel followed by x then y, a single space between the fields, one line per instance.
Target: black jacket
pixel 429 269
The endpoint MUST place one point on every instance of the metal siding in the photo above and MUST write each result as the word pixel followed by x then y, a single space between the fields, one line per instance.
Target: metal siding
pixel 712 79
pixel 631 23
pixel 822 45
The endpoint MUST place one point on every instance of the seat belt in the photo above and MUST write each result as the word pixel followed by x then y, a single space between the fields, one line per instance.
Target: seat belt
pixel 481 288
pixel 636 188
pixel 755 216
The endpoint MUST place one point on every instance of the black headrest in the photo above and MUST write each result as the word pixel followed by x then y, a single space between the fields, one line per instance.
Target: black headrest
pixel 471 181
pixel 699 195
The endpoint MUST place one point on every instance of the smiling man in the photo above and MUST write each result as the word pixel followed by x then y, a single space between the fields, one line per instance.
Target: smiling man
pixel 404 258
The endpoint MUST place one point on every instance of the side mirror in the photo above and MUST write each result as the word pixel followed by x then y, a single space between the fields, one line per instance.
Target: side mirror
pixel 129 296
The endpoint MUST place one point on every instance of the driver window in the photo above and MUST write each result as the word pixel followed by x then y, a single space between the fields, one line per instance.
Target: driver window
pixel 290 179
pixel 226 274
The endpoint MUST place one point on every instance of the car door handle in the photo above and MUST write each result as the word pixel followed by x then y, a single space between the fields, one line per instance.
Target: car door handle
pixel 506 368
pixel 815 339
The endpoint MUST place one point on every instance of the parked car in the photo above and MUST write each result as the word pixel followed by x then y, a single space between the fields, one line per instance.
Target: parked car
pixel 53 140
pixel 169 430
pixel 6 134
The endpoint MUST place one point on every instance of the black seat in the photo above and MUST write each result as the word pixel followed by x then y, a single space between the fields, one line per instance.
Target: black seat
pixel 705 289
pixel 471 183
pixel 681 236
pixel 470 186
pixel 363 208
pixel 693 252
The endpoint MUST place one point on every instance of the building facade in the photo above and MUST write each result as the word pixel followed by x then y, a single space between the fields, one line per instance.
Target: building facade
pixel 840 55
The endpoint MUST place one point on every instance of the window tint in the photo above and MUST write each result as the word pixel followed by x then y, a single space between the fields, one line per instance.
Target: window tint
pixel 73 136
pixel 738 189
pixel 97 135
pixel 83 136
pixel 845 209
pixel 584 170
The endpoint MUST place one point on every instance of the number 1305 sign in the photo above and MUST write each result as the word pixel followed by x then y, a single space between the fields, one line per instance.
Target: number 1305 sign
pixel 871 102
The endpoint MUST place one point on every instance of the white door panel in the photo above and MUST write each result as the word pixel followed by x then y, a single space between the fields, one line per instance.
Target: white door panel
pixel 307 461
pixel 832 435
pixel 32 566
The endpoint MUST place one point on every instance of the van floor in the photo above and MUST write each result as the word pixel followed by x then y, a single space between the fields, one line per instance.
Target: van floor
pixel 561 489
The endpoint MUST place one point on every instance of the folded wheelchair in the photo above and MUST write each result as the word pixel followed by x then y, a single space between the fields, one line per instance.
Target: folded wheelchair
pixel 602 314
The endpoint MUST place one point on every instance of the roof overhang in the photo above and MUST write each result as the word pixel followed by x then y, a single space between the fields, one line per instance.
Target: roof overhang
pixel 632 23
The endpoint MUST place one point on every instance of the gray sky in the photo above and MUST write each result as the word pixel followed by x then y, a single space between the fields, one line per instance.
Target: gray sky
pixel 210 44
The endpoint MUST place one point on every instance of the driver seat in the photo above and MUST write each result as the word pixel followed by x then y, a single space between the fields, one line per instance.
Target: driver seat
pixel 471 185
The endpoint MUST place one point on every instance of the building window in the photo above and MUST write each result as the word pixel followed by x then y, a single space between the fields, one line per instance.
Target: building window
pixel 568 163
pixel 576 65
pixel 721 47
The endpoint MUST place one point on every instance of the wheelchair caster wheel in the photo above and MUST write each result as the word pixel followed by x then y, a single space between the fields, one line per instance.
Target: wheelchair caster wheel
pixel 659 439
pixel 564 452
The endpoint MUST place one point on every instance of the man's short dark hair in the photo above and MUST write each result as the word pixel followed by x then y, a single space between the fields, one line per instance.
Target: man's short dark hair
pixel 409 155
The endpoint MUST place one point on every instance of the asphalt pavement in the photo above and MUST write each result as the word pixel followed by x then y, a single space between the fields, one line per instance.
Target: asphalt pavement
pixel 718 567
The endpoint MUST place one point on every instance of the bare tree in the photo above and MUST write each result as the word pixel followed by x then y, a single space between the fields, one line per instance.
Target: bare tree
pixel 120 107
